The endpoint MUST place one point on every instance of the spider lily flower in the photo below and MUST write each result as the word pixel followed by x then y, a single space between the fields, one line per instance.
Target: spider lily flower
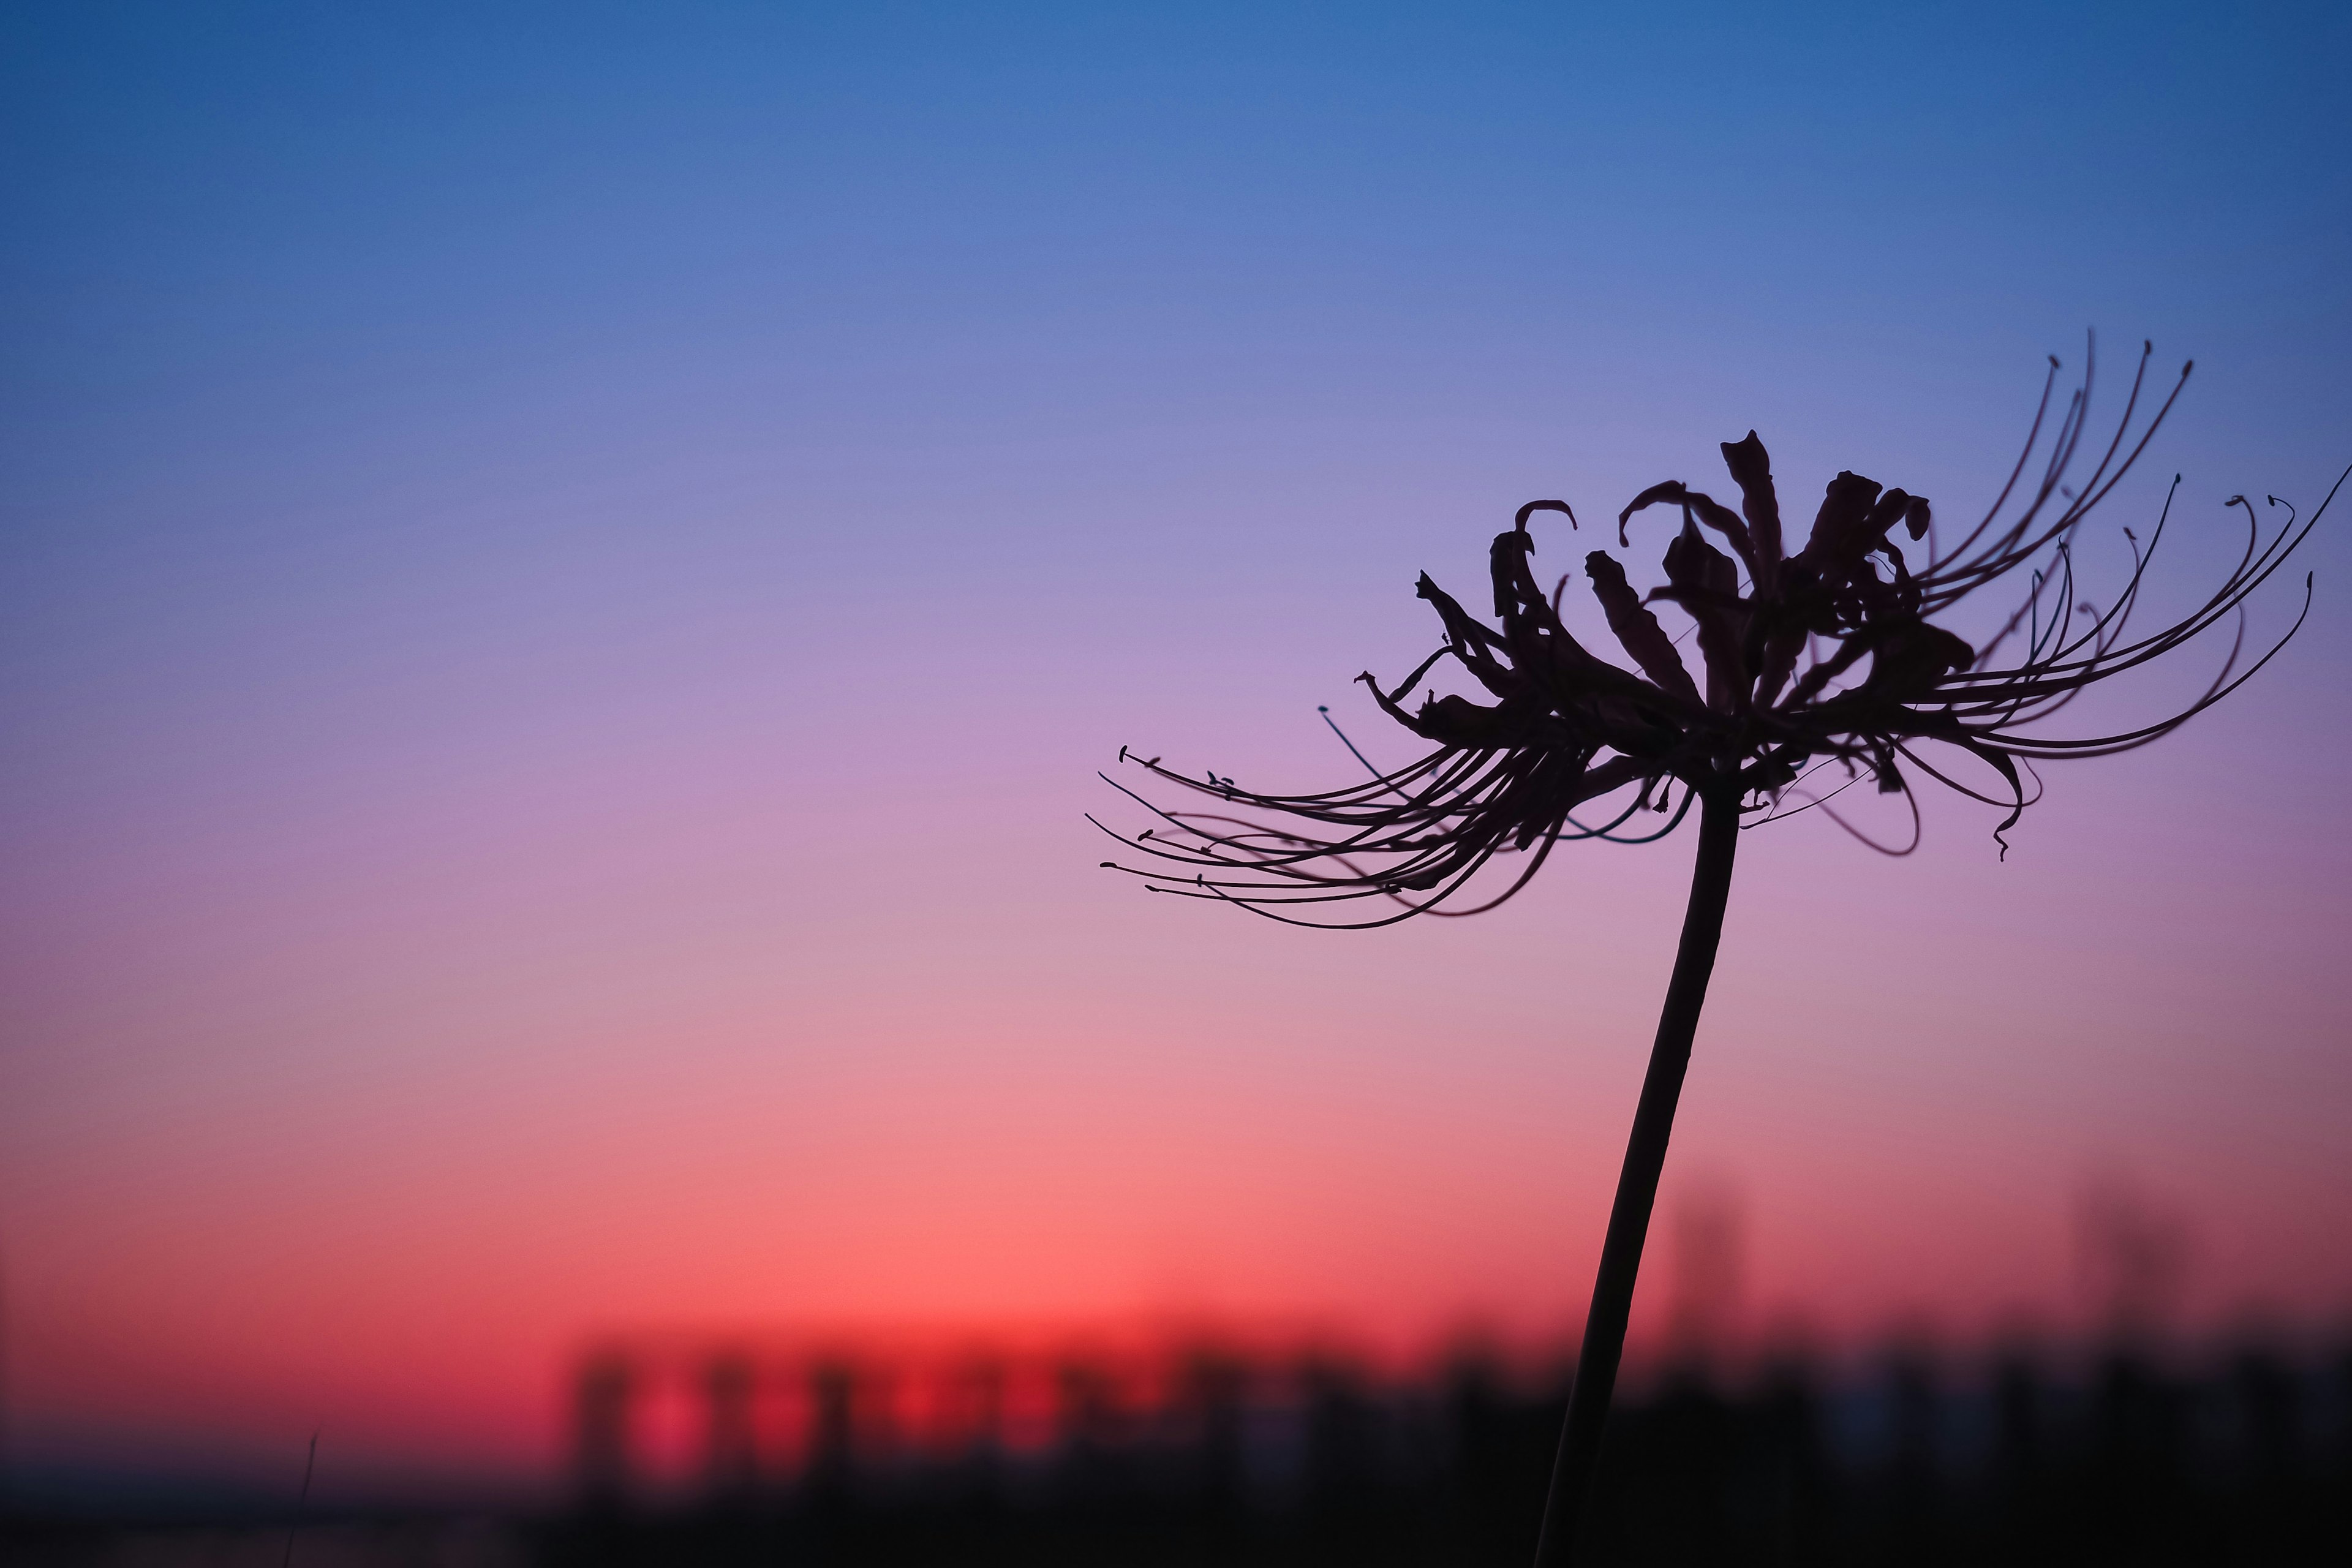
pixel 1828 657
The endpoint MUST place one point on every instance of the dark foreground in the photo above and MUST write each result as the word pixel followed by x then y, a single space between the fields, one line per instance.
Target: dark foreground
pixel 2248 1461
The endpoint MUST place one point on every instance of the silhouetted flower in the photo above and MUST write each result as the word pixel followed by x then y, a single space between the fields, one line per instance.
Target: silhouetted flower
pixel 1825 658
pixel 1828 657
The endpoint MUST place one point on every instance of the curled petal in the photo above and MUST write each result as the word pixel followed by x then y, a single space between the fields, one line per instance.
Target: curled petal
pixel 1638 628
pixel 1707 585
pixel 1751 470
pixel 1843 520
pixel 1706 507
pixel 1520 521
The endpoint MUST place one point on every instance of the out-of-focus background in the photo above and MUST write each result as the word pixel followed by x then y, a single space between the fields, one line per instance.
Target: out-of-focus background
pixel 565 573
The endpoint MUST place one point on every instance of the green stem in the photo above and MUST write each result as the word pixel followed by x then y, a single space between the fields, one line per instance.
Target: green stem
pixel 1637 1184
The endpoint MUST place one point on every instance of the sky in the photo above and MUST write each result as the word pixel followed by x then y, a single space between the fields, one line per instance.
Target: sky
pixel 566 574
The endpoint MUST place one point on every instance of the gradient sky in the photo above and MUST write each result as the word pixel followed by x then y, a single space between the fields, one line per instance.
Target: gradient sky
pixel 564 575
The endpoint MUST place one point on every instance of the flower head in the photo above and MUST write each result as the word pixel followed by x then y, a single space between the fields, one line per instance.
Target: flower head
pixel 1825 657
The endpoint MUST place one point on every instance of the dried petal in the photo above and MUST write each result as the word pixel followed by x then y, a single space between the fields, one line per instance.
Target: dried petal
pixel 1457 721
pixel 1751 470
pixel 1724 522
pixel 1706 585
pixel 1845 510
pixel 1891 510
pixel 1473 643
pixel 1637 627
pixel 1709 511
pixel 1670 489
pixel 1910 660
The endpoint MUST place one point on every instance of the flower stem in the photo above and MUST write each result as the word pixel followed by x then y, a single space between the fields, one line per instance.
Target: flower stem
pixel 1637 1184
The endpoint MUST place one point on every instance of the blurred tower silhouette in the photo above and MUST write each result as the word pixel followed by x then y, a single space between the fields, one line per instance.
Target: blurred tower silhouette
pixel 2270 1483
pixel 1209 1390
pixel 1916 1531
pixel 1092 1427
pixel 1796 1489
pixel 603 1401
pixel 1342 1438
pixel 831 1386
pixel 732 1458
pixel 2131 1257
pixel 1708 1268
pixel 2022 1459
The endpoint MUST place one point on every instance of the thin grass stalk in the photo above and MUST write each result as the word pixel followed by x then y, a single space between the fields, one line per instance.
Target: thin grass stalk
pixel 1579 1458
